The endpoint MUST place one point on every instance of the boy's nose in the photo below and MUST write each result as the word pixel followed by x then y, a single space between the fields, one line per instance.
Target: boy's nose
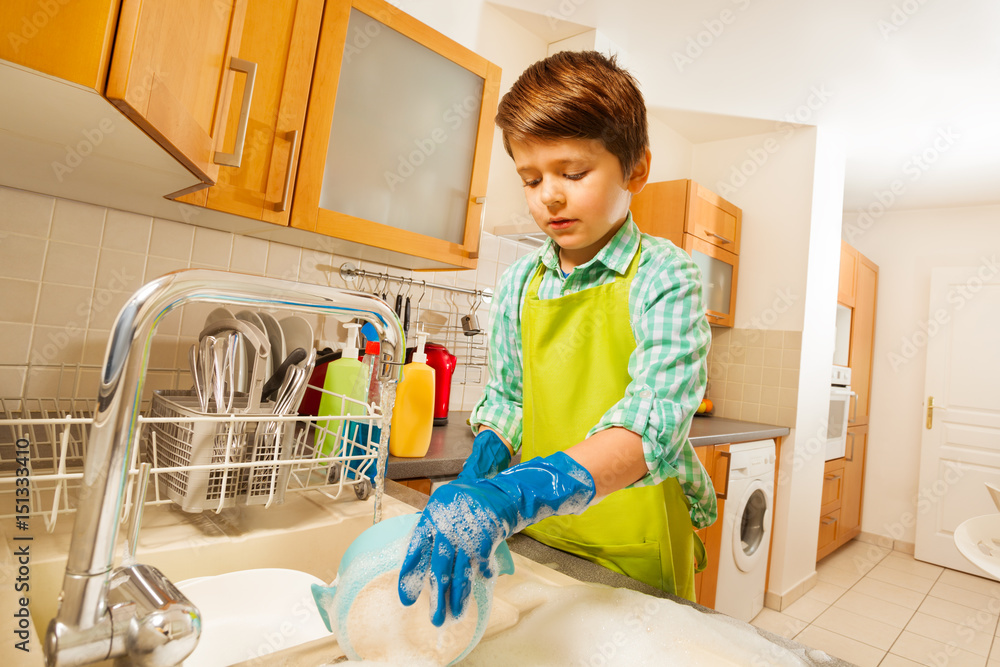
pixel 553 196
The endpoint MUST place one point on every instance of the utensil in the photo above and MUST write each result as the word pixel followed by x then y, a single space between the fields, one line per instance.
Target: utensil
pixel 298 333
pixel 199 382
pixel 275 381
pixel 275 337
pixel 206 359
pixel 251 338
pixel 244 358
pixel 470 325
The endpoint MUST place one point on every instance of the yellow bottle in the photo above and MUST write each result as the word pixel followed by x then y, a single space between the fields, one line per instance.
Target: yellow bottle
pixel 413 414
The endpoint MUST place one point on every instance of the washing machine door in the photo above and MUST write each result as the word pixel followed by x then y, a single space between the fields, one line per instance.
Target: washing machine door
pixel 752 528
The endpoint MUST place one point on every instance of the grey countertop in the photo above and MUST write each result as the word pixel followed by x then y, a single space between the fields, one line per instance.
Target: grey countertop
pixel 584 570
pixel 452 443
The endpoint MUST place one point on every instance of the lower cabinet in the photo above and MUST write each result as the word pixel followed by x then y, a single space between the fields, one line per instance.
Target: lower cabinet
pixel 715 458
pixel 843 494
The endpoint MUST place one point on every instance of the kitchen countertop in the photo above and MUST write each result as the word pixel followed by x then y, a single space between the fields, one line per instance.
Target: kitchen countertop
pixel 452 443
pixel 584 570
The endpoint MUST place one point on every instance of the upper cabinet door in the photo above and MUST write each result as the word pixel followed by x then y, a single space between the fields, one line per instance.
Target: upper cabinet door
pixel 713 218
pixel 848 284
pixel 172 74
pixel 398 138
pixel 280 38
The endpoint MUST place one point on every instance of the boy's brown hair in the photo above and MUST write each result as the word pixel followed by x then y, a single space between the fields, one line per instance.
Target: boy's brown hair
pixel 577 95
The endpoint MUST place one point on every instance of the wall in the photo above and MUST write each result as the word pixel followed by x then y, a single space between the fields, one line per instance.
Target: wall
pixel 66 268
pixel 906 245
pixel 787 184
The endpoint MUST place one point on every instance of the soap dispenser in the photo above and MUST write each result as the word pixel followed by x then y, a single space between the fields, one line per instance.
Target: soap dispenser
pixel 413 413
pixel 345 377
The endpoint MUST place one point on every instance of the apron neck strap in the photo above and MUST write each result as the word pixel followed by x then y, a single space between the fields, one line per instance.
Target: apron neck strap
pixel 633 268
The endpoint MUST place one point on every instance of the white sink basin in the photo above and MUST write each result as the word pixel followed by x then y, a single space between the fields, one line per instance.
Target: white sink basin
pixel 978 539
pixel 252 613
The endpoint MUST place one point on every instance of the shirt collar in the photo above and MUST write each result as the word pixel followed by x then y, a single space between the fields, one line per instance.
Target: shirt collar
pixel 615 255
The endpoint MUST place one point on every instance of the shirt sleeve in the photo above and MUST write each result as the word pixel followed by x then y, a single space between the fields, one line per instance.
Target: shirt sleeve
pixel 669 373
pixel 500 406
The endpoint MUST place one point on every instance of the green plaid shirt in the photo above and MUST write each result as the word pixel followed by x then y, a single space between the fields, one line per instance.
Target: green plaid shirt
pixel 668 366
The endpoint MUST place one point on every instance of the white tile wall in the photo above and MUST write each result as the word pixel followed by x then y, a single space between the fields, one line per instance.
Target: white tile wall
pixel 66 268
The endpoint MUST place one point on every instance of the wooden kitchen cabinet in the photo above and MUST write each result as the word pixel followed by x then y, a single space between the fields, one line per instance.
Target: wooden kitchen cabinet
pixel 351 134
pixel 854 483
pixel 715 458
pixel 171 74
pixel 707 227
pixel 69 41
pixel 843 494
pixel 281 39
pixel 847 285
pixel 165 64
pixel 863 338
pixel 840 521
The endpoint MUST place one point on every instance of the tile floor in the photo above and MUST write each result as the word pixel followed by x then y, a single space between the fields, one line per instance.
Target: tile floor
pixel 876 607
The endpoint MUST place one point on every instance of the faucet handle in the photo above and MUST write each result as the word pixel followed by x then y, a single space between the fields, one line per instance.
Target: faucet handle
pixel 164 626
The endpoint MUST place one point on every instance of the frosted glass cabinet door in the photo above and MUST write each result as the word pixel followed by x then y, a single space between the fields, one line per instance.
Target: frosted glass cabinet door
pixel 403 134
pixel 718 279
pixel 397 143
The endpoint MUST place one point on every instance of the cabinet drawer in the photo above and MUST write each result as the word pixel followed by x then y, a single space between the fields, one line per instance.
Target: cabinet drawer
pixel 828 527
pixel 714 219
pixel 833 487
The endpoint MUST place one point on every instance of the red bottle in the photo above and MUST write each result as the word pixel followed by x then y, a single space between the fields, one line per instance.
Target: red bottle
pixel 443 362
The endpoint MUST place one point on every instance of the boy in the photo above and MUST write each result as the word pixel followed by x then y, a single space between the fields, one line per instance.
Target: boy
pixel 597 360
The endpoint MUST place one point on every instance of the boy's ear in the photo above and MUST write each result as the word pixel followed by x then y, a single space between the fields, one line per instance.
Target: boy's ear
pixel 640 173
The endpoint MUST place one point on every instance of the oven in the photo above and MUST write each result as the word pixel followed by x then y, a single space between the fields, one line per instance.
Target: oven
pixel 840 407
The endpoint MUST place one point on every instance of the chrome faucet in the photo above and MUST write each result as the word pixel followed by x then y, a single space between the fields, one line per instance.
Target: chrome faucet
pixel 135 611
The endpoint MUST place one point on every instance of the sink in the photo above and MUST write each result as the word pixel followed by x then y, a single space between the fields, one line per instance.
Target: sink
pixel 252 613
pixel 978 539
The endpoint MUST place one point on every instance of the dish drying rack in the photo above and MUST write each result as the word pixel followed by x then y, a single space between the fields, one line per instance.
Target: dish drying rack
pixel 198 461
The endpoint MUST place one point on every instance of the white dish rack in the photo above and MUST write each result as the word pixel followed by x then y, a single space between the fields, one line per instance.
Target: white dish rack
pixel 198 461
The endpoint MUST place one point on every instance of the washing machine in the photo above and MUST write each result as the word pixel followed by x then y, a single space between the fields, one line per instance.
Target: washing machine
pixel 746 530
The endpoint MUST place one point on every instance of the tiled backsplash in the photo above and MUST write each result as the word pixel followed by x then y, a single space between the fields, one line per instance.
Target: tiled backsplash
pixel 66 268
pixel 753 374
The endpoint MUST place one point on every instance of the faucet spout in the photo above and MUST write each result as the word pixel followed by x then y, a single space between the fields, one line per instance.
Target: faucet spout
pixel 83 629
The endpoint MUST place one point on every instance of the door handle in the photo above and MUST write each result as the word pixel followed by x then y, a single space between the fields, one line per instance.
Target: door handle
pixel 283 204
pixel 235 158
pixel 854 413
pixel 829 521
pixel 725 488
pixel 930 413
pixel 721 238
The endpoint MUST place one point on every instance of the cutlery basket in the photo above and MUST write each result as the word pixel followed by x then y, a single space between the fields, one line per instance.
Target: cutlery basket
pixel 227 445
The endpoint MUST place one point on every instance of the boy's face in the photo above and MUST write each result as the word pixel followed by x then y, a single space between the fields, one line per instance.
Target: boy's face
pixel 576 192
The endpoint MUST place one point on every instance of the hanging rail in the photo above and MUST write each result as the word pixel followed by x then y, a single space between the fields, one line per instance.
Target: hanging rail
pixel 349 272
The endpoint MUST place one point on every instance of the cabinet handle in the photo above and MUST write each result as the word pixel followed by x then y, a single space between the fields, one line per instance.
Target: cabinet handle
pixel 851 457
pixel 718 317
pixel 725 489
pixel 828 521
pixel 854 413
pixel 721 238
pixel 235 158
pixel 293 136
pixel 930 412
pixel 830 478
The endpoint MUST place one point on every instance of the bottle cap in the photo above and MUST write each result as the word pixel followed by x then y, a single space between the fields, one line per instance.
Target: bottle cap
pixel 372 347
pixel 350 350
pixel 419 355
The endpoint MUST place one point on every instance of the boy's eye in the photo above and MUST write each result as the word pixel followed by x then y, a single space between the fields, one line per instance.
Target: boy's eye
pixel 532 183
pixel 575 177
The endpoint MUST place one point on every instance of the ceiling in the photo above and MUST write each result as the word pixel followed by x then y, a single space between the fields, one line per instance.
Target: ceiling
pixel 911 86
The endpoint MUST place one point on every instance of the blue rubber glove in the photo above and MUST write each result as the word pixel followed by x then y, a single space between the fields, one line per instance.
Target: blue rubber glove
pixel 489 456
pixel 465 520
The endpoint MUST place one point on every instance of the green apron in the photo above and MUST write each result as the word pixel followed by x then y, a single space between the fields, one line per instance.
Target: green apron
pixel 576 351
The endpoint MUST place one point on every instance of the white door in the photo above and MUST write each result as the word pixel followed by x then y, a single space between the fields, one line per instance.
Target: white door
pixel 961 450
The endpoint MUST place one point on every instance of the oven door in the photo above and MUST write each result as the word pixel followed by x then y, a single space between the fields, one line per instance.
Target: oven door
pixel 836 428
